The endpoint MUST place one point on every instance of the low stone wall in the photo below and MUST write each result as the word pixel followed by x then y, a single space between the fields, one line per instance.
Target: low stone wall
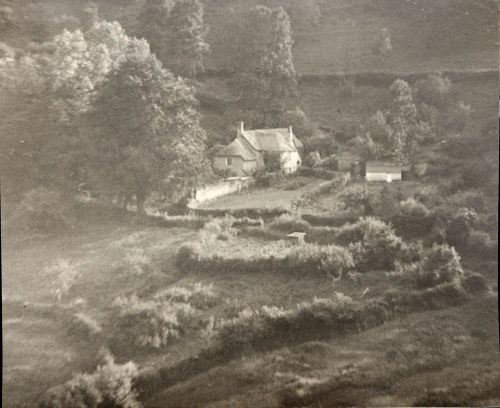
pixel 213 191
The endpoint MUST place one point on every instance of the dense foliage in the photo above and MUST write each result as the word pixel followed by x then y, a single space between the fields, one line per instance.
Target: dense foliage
pixel 110 386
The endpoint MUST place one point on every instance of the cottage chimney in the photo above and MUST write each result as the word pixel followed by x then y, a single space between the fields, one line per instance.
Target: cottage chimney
pixel 290 134
pixel 241 128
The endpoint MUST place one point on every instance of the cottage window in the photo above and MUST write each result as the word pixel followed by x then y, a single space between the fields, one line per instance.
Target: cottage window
pixel 229 161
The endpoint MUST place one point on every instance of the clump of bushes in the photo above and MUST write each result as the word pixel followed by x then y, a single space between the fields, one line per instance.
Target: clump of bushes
pixel 111 385
pixel 218 229
pixel 440 264
pixel 373 244
pixel 42 211
pixel 289 223
pixel 151 323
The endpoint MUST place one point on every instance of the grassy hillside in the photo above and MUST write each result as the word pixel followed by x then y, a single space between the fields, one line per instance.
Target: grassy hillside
pixel 426 35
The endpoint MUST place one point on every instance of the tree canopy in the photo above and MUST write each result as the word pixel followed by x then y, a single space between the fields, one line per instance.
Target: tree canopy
pixel 145 130
pixel 264 62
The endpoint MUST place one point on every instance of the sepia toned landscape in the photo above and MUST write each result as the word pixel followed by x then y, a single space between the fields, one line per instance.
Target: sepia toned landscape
pixel 261 203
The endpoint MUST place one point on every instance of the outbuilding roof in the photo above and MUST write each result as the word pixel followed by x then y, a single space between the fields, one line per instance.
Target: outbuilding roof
pixel 237 149
pixel 384 167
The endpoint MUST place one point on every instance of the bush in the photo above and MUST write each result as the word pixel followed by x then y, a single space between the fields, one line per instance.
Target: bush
pixel 110 386
pixel 412 208
pixel 441 264
pixel 474 283
pixel 42 211
pixel 289 223
pixel 373 243
pixel 481 245
pixel 434 90
pixel 330 163
pixel 83 325
pixel 218 229
pixel 312 160
pixel 151 323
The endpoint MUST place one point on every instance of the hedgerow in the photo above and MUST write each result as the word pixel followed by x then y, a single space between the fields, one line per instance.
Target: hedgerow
pixel 289 223
pixel 304 258
pixel 271 327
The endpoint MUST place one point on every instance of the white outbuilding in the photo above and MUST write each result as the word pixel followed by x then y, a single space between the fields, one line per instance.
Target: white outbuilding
pixel 383 171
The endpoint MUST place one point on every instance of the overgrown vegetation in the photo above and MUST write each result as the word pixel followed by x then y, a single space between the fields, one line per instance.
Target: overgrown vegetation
pixel 111 385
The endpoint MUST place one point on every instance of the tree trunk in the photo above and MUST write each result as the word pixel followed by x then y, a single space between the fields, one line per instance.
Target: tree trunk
pixel 140 200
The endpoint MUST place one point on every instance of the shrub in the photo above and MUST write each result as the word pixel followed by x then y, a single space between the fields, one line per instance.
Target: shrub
pixel 372 242
pixel 289 223
pixel 83 325
pixel 312 160
pixel 356 200
pixel 110 386
pixel 412 208
pixel 330 163
pixel 42 210
pixel 218 228
pixel 480 244
pixel 474 283
pixel 433 90
pixel 441 264
pixel 151 323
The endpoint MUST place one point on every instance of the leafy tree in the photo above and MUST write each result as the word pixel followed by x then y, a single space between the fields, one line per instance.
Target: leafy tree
pixel 176 33
pixel 145 131
pixel 398 132
pixel 433 90
pixel 48 90
pixel 187 38
pixel 300 122
pixel 153 25
pixel 382 44
pixel 264 62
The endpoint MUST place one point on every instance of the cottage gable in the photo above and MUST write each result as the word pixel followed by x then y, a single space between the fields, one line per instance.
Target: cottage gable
pixel 245 154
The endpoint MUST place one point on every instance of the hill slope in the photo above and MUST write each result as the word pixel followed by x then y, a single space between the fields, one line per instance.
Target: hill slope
pixel 426 35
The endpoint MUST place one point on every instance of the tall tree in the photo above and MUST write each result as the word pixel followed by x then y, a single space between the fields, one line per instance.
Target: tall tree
pixel 187 38
pixel 397 132
pixel 264 61
pixel 153 25
pixel 45 93
pixel 146 131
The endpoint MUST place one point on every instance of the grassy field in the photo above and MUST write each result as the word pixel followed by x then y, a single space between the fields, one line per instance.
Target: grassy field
pixel 271 197
pixel 113 259
pixel 38 353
